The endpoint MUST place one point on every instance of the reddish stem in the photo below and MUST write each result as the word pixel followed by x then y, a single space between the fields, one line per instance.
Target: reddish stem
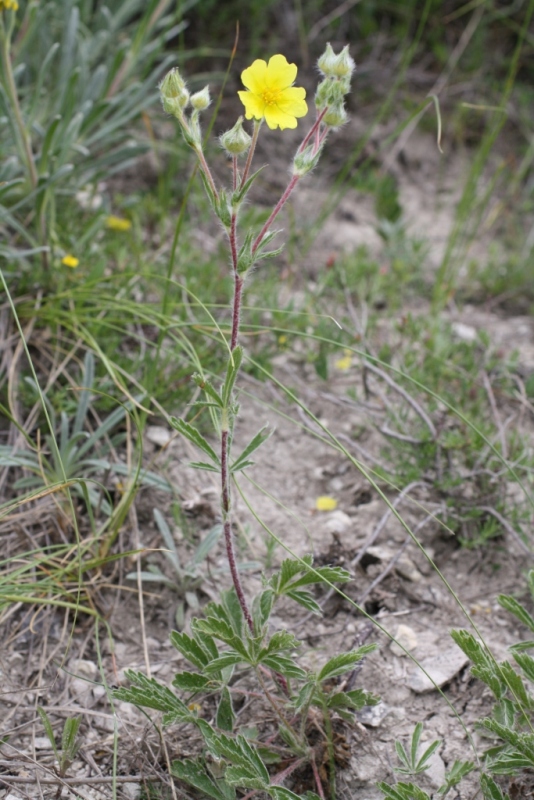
pixel 250 156
pixel 312 130
pixel 276 210
pixel 320 790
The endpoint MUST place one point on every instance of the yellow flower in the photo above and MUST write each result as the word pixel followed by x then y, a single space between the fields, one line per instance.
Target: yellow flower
pixel 118 223
pixel 70 261
pixel 271 94
pixel 325 503
pixel 9 4
pixel 343 363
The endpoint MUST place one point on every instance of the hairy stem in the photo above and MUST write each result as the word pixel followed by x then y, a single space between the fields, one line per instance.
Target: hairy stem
pixel 276 210
pixel 250 156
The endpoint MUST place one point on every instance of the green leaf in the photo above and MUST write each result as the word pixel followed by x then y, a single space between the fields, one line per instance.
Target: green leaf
pixel 148 693
pixel 355 699
pixel 241 461
pixel 47 725
pixel 203 465
pixel 225 713
pixel 195 437
pixel 514 683
pixel 194 774
pixel 232 368
pixel 515 608
pixel 526 663
pixel 240 193
pixel 453 776
pixel 242 754
pixel 306 600
pixel 192 682
pixel 242 776
pixel 403 791
pixel 343 663
pixel 206 386
pixel 285 666
pixel 491 790
pixel 69 745
pixel 261 609
pixel 281 793
pixel 190 649
pixel 305 695
pixel 227 659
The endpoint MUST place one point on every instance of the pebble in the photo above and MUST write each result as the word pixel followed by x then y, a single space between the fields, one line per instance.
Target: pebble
pixel 441 667
pixel 42 743
pixel 132 791
pixel 338 522
pixel 373 716
pixel 465 332
pixel 436 767
pixel 406 638
pixel 159 435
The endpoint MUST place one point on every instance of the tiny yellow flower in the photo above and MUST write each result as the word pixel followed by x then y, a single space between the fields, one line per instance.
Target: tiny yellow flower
pixel 325 503
pixel 344 363
pixel 9 4
pixel 118 223
pixel 70 261
pixel 271 94
pixel 282 339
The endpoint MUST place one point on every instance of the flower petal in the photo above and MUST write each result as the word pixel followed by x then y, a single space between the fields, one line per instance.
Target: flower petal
pixel 280 74
pixel 292 101
pixel 254 105
pixel 254 77
pixel 276 118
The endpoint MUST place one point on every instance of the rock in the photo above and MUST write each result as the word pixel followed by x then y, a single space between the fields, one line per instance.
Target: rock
pixel 441 668
pixel 132 791
pixel 436 767
pixel 158 435
pixel 338 522
pixel 42 743
pixel 84 676
pixel 465 332
pixel 404 566
pixel 406 638
pixel 373 715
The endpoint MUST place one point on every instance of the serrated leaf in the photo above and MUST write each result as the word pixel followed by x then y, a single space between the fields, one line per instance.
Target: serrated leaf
pixel 189 648
pixel 306 600
pixel 225 712
pixel 242 460
pixel 504 712
pixel 526 663
pixel 240 753
pixel 224 660
pixel 471 647
pixel 281 793
pixel 192 682
pixel 285 666
pixel 195 437
pixel 149 693
pixel 322 575
pixel 343 662
pixel 490 789
pixel 355 699
pixel 194 774
pixel 241 776
pixel 514 683
pixel 305 695
pixel 515 608
pixel 261 608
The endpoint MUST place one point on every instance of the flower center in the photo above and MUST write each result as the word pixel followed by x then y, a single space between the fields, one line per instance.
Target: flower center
pixel 269 97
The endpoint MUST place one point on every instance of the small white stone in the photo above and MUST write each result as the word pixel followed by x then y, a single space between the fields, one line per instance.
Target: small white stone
pixel 42 743
pixel 465 332
pixel 159 435
pixel 338 522
pixel 441 668
pixel 131 790
pixel 406 638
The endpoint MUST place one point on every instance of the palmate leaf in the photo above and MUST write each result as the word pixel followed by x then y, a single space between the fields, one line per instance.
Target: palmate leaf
pixel 344 662
pixel 195 437
pixel 294 574
pixel 196 775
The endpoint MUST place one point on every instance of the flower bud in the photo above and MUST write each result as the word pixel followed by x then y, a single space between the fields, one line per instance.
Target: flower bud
pixel 201 100
pixel 236 141
pixel 336 66
pixel 335 116
pixel 305 161
pixel 173 93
